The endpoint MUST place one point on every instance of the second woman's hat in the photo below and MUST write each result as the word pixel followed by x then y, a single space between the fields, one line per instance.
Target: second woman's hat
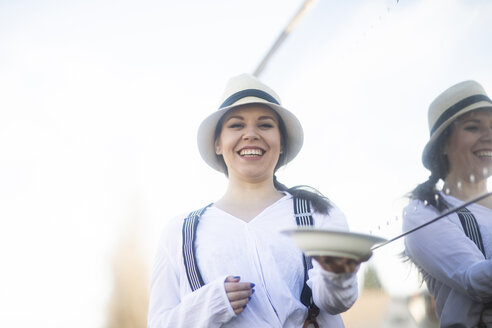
pixel 453 102
pixel 241 90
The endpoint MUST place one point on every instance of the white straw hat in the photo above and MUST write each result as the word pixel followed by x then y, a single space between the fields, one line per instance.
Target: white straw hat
pixel 455 101
pixel 241 90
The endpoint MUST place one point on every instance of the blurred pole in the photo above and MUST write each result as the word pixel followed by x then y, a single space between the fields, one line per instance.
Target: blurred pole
pixel 308 4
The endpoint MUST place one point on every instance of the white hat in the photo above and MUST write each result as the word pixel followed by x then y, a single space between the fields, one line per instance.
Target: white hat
pixel 455 101
pixel 247 89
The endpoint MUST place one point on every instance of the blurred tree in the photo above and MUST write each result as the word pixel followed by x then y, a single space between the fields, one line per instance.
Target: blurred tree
pixel 128 302
pixel 371 278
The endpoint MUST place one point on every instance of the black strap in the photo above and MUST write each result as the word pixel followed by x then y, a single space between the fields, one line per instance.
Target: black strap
pixel 189 233
pixel 302 212
pixel 472 231
pixel 470 226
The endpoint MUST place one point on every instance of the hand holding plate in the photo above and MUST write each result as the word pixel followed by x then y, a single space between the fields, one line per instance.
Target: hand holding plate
pixel 340 264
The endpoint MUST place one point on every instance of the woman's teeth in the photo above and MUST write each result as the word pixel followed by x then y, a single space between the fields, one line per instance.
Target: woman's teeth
pixel 484 153
pixel 251 152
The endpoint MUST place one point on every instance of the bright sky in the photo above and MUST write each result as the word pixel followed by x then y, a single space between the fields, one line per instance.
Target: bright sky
pixel 100 102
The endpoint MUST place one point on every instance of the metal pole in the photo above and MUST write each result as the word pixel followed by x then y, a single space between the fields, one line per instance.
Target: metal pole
pixel 435 219
pixel 290 26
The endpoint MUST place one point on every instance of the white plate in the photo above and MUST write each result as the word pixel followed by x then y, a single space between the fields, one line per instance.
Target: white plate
pixel 320 242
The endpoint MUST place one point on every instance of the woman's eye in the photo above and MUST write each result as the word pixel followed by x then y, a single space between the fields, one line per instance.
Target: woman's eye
pixel 471 128
pixel 235 125
pixel 266 126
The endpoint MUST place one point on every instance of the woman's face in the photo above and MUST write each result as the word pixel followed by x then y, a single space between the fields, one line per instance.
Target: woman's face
pixel 469 147
pixel 250 142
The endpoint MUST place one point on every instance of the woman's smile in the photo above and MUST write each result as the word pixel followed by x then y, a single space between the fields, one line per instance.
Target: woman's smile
pixel 484 154
pixel 251 152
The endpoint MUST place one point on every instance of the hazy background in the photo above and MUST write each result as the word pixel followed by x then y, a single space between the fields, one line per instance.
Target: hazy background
pixel 100 102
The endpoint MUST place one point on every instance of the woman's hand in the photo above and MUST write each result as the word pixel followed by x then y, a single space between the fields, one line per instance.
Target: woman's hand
pixel 340 264
pixel 239 293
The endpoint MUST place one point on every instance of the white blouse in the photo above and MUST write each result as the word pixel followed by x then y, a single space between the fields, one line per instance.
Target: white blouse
pixel 455 270
pixel 258 253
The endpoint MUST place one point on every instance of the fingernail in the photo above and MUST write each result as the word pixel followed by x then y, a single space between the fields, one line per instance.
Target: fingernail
pixel 237 277
pixel 249 298
pixel 252 291
pixel 245 306
pixel 253 285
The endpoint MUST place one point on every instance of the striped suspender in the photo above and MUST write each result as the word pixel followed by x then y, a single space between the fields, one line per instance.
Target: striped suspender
pixel 470 226
pixel 189 234
pixel 472 231
pixel 303 217
pixel 302 211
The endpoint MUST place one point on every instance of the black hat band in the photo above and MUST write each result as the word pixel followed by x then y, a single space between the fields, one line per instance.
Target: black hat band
pixel 248 93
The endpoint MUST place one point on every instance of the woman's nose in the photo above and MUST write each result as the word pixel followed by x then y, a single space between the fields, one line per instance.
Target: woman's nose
pixel 250 133
pixel 487 134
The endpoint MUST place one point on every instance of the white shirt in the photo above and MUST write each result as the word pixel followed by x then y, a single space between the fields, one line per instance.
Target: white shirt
pixel 455 270
pixel 258 253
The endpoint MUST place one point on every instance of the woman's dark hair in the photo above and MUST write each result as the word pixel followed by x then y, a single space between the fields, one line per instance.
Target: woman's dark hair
pixel 320 203
pixel 439 167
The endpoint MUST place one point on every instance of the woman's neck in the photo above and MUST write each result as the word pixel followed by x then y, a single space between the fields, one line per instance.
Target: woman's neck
pixel 467 190
pixel 246 200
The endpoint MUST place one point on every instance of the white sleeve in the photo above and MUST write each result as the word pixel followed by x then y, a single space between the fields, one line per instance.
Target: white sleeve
pixel 444 251
pixel 205 307
pixel 332 292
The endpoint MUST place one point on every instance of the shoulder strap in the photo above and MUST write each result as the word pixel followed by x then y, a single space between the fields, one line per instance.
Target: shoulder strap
pixel 302 212
pixel 470 226
pixel 472 231
pixel 189 233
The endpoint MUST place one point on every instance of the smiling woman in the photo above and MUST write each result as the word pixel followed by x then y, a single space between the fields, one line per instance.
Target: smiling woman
pixel 235 268
pixel 454 254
